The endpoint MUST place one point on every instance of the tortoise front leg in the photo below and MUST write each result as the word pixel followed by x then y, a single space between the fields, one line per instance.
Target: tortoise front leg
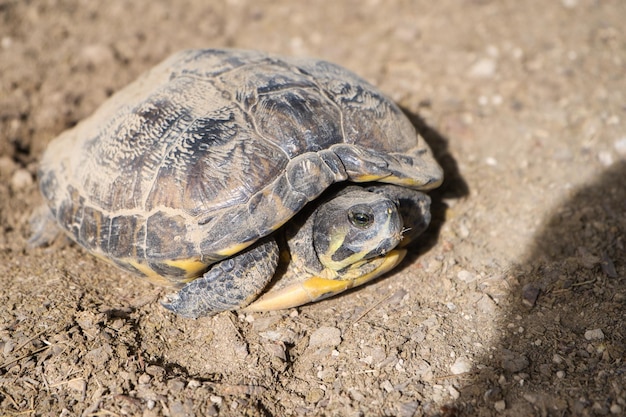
pixel 230 284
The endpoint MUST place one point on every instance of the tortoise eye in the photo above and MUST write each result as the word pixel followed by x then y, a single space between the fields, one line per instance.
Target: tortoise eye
pixel 360 219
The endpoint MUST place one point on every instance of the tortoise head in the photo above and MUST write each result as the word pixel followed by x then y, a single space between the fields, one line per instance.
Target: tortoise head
pixel 355 226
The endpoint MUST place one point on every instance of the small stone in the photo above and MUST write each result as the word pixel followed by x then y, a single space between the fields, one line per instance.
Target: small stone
pixel 560 374
pixel 605 158
pixel 6 42
pixel 461 366
pixel 314 395
pixel 594 334
pixel 616 409
pixel 21 179
pixel 531 398
pixel 454 393
pixel 486 305
pixel 530 293
pixel 483 68
pixel 175 385
pixel 144 379
pixel 512 361
pixel 194 383
pixel 491 161
pixel 77 384
pixel 96 55
pixel 7 166
pixel 386 385
pixel 620 146
pixel 155 370
pixel 325 336
pixel 179 409
pixel 465 276
pixel 356 395
pixel 608 267
pixel 277 350
pixel 569 4
pixel 493 394
pixel 499 405
pixel 408 409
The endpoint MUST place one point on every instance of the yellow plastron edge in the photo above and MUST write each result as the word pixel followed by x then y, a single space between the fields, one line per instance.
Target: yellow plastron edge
pixel 316 288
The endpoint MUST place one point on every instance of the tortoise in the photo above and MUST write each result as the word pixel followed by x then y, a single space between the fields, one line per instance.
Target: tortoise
pixel 188 175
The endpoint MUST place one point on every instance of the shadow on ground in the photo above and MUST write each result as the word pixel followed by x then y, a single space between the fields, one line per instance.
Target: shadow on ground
pixel 453 187
pixel 562 345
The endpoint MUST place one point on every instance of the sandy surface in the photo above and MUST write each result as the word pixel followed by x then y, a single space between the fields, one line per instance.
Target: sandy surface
pixel 513 306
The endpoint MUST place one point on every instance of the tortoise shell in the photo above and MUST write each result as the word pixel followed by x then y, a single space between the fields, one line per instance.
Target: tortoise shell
pixel 213 149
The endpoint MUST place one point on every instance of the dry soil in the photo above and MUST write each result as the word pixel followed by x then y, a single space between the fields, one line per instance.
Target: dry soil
pixel 513 305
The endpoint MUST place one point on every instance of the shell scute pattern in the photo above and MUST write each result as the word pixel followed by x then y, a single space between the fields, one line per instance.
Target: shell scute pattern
pixel 210 139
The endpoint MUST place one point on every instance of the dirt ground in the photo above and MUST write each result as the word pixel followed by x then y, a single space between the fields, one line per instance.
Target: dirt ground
pixel 513 305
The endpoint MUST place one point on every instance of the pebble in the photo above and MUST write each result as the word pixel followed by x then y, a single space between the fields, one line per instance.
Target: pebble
pixel 512 361
pixel 6 42
pixel 605 158
pixel 386 385
pixel 77 384
pixel 314 395
pixel 569 4
pixel 556 358
pixel 620 146
pixel 96 55
pixel 483 68
pixel 144 379
pixel 594 334
pixel 616 409
pixel 175 385
pixel 499 405
pixel 21 179
pixel 461 366
pixel 491 161
pixel 486 305
pixel 454 393
pixel 465 276
pixel 530 293
pixel 7 166
pixel 325 336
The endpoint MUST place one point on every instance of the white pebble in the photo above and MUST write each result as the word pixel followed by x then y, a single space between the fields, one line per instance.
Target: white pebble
pixel 465 276
pixel 499 405
pixel 616 409
pixel 492 162
pixel 461 366
pixel 386 385
pixel 605 158
pixel 594 334
pixel 560 374
pixel 483 68
pixel 556 358
pixel 325 336
pixel 620 146
pixel 21 179
pixel 6 42
pixel 454 393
